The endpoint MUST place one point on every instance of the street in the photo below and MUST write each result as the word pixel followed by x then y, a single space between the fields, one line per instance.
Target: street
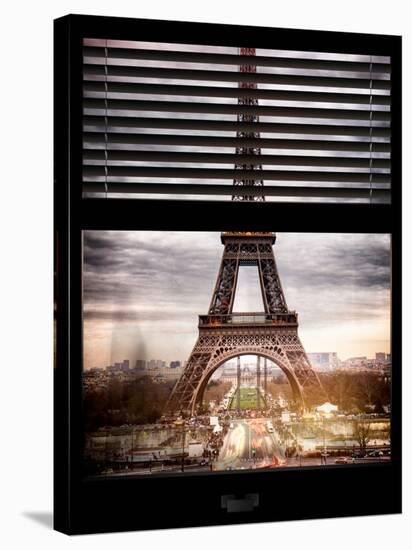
pixel 248 445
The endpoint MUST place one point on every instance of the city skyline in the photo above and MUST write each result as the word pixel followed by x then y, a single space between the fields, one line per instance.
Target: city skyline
pixel 248 360
pixel 143 292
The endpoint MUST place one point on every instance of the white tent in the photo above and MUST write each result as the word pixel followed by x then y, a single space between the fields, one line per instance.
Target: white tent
pixel 327 408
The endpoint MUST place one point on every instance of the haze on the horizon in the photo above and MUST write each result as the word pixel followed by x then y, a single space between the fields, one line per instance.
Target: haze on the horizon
pixel 143 292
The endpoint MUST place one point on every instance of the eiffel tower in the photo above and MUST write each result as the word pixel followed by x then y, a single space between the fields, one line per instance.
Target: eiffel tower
pixel 223 335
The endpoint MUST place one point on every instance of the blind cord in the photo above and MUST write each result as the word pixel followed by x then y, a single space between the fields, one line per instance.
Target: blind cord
pixel 370 131
pixel 105 119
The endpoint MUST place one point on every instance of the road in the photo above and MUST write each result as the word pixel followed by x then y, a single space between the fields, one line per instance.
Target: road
pixel 249 445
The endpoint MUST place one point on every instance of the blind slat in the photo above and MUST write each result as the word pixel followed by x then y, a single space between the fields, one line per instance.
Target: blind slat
pixel 360 81
pixel 230 59
pixel 214 141
pixel 266 127
pixel 235 92
pixel 211 189
pixel 215 173
pixel 221 158
pixel 216 108
pixel 350 111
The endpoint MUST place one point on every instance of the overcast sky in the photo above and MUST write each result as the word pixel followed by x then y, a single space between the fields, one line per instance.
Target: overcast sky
pixel 143 292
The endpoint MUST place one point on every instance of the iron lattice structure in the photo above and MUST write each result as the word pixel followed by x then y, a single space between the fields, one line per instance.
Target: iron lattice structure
pixel 223 335
pixel 247 117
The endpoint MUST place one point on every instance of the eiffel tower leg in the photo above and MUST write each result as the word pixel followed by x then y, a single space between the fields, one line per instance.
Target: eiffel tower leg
pixel 265 380
pixel 238 384
pixel 302 368
pixel 224 293
pixel 185 389
pixel 258 382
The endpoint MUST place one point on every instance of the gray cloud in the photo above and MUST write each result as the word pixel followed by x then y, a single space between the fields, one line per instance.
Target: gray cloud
pixel 337 260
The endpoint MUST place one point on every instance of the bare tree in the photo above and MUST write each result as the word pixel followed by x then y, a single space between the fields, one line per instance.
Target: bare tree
pixel 362 432
pixel 367 388
pixel 343 389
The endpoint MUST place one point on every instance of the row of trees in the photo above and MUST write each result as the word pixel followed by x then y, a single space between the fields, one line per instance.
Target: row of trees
pixel 143 401
pixel 279 386
pixel 215 391
pixel 352 392
pixel 140 401
pixel 358 391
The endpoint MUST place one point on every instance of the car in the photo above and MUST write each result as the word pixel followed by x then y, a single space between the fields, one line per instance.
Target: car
pixel 375 453
pixel 341 460
pixel 358 454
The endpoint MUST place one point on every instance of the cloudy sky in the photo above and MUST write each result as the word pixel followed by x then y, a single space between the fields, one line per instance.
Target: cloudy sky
pixel 143 292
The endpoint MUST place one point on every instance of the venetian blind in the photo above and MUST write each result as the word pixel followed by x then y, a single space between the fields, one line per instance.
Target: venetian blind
pixel 170 120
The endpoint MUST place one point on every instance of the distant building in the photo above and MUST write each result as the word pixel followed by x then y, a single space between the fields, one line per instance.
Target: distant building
pixel 152 364
pixel 230 369
pixel 324 360
pixel 95 370
pixel 140 364
pixel 360 363
pixel 118 367
pixel 175 364
pixel 380 357
pixel 166 373
pixel 111 369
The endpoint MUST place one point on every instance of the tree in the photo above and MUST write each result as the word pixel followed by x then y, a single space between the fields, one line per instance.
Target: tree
pixel 139 401
pixel 215 391
pixel 367 386
pixel 378 406
pixel 362 431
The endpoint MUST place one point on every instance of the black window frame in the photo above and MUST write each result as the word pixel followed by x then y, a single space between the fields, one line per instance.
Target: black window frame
pixel 130 504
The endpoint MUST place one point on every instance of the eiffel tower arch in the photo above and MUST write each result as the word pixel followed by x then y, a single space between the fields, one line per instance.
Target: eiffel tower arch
pixel 223 335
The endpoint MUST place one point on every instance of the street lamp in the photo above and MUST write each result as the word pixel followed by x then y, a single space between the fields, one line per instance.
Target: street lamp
pixel 183 445
pixel 298 439
pixel 326 409
pixel 132 453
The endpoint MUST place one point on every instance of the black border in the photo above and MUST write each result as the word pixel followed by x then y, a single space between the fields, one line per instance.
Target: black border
pixel 195 499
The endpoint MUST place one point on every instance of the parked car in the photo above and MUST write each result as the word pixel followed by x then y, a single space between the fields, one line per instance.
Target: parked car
pixel 375 453
pixel 341 460
pixel 358 454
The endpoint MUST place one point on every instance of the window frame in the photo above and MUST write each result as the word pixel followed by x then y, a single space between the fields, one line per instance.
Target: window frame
pixel 93 506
